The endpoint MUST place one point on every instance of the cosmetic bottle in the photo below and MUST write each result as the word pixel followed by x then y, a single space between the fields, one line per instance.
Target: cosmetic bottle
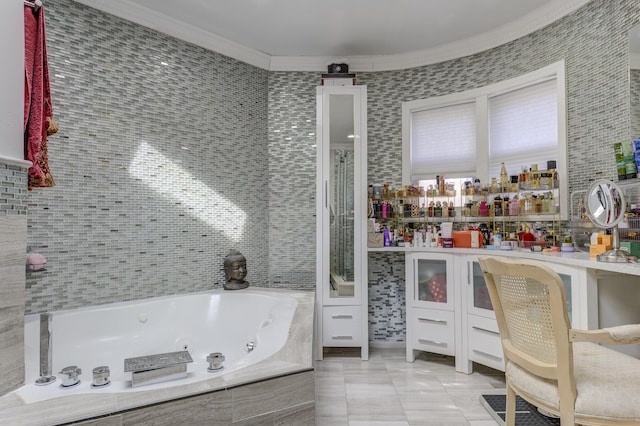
pixel 504 178
pixel 475 209
pixel 494 186
pixel 537 204
pixel 497 206
pixel 466 210
pixel 535 177
pixel 386 191
pixel 513 187
pixel 407 209
pixel 438 209
pixel 387 238
pixel 476 185
pixel 377 191
pixel 408 237
pixel 415 209
pixel 483 209
pixel 514 207
pixel 524 178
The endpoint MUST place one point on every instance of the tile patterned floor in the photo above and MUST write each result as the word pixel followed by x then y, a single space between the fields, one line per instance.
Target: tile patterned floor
pixel 387 390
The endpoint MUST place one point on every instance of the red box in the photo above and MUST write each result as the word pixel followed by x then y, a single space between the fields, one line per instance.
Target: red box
pixel 468 239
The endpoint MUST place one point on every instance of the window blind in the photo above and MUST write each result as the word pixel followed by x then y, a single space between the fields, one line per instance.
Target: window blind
pixel 523 128
pixel 443 141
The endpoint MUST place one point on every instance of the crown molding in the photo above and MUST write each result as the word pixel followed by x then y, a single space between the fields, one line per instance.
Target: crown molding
pixel 150 18
pixel 518 28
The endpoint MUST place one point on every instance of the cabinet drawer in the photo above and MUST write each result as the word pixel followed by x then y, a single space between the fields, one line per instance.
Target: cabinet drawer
pixel 341 326
pixel 433 330
pixel 485 346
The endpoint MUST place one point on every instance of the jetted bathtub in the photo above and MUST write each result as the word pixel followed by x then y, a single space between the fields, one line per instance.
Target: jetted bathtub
pixel 262 333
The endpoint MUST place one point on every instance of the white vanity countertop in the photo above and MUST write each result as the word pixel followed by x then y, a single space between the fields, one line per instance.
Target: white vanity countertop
pixel 580 259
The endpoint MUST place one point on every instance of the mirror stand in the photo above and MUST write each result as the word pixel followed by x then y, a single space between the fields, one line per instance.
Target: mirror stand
pixel 616 255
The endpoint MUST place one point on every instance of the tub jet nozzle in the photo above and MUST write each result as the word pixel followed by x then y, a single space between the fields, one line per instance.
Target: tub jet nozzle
pixel 215 360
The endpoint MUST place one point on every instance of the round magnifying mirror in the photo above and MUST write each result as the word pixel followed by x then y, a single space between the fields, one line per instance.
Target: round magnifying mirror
pixel 606 207
pixel 605 204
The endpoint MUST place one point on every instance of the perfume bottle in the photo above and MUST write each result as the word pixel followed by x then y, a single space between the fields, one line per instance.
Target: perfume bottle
pixel 438 209
pixel 514 207
pixel 483 209
pixel 504 178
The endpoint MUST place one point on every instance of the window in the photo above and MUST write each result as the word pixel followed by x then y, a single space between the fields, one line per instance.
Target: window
pixel 436 132
pixel 523 127
pixel 520 122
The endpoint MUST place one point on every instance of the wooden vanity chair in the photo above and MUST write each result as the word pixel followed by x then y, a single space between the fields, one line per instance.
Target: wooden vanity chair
pixel 554 367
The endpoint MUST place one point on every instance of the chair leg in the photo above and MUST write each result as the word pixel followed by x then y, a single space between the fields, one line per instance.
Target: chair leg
pixel 567 417
pixel 510 417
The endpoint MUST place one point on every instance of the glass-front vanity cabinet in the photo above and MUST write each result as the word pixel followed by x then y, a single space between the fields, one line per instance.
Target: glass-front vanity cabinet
pixel 341 200
pixel 430 303
pixel 482 343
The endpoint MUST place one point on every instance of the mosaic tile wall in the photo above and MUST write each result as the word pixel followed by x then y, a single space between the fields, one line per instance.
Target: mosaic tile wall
pixel 387 297
pixel 592 41
pixel 292 182
pixel 635 103
pixel 160 164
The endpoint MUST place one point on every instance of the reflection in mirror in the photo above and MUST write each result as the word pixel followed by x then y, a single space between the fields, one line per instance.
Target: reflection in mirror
pixel 605 204
pixel 634 81
pixel 606 208
pixel 342 196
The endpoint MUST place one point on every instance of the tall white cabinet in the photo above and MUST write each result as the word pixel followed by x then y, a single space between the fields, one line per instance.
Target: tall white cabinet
pixel 341 233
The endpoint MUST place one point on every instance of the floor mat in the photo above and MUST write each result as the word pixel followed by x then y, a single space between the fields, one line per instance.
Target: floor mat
pixel 526 414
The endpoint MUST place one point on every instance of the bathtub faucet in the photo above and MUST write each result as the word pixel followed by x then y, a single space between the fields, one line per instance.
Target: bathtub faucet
pixel 46 351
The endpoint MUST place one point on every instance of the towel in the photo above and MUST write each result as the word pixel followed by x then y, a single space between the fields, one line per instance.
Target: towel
pixel 36 262
pixel 38 110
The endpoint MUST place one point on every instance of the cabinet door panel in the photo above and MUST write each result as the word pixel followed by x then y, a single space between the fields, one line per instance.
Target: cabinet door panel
pixel 432 281
pixel 478 300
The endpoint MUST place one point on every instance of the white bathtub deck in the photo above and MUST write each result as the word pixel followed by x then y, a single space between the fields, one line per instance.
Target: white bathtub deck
pixel 295 356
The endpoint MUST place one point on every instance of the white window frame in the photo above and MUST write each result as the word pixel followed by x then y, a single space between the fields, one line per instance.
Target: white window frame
pixel 481 98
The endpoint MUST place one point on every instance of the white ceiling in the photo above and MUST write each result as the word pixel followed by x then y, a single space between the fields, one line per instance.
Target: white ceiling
pixel 367 34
